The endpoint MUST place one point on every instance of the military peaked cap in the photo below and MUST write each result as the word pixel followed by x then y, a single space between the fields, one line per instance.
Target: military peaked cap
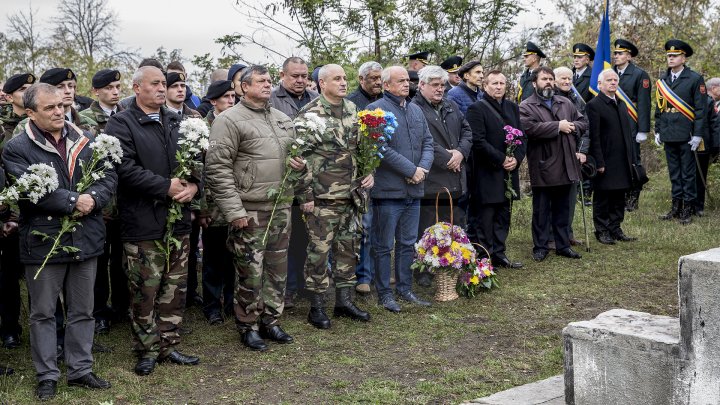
pixel 532 49
pixel 452 64
pixel 678 47
pixel 581 49
pixel 622 45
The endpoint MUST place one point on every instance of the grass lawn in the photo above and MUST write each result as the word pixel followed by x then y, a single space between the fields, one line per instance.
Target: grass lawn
pixel 447 353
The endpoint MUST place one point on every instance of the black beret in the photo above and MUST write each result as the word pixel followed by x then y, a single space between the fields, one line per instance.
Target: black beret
pixel 14 82
pixel 622 45
pixel 581 49
pixel 421 56
pixel 532 49
pixel 56 76
pixel 467 67
pixel 104 77
pixel 678 47
pixel 452 64
pixel 174 77
pixel 218 88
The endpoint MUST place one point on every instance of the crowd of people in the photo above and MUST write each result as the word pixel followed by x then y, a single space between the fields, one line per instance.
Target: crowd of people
pixel 454 123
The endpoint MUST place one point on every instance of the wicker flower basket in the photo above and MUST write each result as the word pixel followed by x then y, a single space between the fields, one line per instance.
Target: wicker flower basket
pixel 446 284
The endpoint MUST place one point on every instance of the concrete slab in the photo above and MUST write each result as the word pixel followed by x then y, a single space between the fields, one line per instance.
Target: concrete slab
pixel 545 392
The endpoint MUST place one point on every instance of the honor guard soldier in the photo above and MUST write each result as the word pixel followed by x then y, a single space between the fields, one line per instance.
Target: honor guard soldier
pixel 451 66
pixel 582 56
pixel 634 90
pixel 417 61
pixel 679 126
pixel 531 58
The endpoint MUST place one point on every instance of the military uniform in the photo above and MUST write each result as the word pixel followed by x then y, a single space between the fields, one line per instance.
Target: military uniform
pixel 635 83
pixel 333 225
pixel 582 81
pixel 677 126
pixel 525 84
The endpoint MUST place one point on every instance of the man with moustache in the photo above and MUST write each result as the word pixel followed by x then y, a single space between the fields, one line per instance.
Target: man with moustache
pixel 531 58
pixel 331 215
pixel 611 147
pixel 452 140
pixel 679 127
pixel 148 133
pixel 489 204
pixel 551 124
pixel 582 71
pixel 469 90
pixel 635 91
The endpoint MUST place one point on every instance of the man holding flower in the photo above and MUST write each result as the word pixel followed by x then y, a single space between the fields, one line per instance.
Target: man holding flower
pixel 332 217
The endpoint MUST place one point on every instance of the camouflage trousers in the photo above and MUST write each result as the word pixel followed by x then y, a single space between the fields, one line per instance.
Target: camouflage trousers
pixel 332 225
pixel 260 268
pixel 157 295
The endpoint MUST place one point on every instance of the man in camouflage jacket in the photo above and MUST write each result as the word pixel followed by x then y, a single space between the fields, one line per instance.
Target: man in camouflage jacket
pixel 332 218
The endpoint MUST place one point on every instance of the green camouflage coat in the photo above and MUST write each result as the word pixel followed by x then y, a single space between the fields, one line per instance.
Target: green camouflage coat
pixel 9 120
pixel 95 113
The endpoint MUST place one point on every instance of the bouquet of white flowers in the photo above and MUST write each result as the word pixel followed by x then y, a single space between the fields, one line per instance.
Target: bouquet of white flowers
pixel 39 181
pixel 106 149
pixel 195 140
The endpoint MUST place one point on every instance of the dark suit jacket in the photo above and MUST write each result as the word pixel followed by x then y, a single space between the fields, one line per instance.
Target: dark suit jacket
pixel 582 83
pixel 635 82
pixel 449 131
pixel 611 141
pixel 550 154
pixel 712 141
pixel 488 175
pixel 673 126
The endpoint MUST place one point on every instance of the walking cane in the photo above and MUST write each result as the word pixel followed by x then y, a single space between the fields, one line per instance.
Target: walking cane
pixel 582 205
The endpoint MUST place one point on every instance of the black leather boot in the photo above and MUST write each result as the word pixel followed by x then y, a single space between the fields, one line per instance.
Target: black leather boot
pixel 674 211
pixel 686 211
pixel 345 307
pixel 317 316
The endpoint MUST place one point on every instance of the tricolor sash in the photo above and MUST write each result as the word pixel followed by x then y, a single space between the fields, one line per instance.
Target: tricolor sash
pixel 631 107
pixel 666 95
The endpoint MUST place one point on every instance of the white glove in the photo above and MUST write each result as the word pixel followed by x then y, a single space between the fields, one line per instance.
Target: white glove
pixel 658 142
pixel 694 143
pixel 641 137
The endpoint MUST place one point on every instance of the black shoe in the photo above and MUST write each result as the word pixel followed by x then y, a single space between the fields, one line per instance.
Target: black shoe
pixel 503 261
pixel 5 370
pixel 252 340
pixel 345 307
pixel 46 390
pixel 145 366
pixel 11 341
pixel 178 358
pixel 317 316
pixel 194 299
pixel 620 236
pixel 540 255
pixel 410 297
pixel 605 238
pixel 102 326
pixel 215 318
pixel 674 211
pixel 89 380
pixel 98 348
pixel 289 300
pixel 276 334
pixel 182 330
pixel 685 216
pixel 388 302
pixel 569 253
pixel 424 279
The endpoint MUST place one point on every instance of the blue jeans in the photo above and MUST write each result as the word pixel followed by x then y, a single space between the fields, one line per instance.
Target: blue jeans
pixel 395 224
pixel 364 271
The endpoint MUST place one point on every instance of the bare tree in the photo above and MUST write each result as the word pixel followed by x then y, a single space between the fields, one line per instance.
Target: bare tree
pixel 28 49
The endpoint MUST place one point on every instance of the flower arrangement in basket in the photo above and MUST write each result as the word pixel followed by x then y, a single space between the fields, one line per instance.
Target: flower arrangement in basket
pixel 477 277
pixel 446 251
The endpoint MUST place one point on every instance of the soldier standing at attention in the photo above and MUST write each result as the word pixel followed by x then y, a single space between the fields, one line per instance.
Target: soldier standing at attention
pixel 582 56
pixel 679 126
pixel 531 58
pixel 107 87
pixel 148 133
pixel 332 218
pixel 634 90
pixel 247 155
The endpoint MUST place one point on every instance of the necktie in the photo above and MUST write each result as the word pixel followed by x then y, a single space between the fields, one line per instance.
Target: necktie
pixel 112 113
pixel 620 73
pixel 673 78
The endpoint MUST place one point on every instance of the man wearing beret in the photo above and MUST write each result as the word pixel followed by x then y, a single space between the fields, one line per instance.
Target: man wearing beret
pixel 470 89
pixel 531 58
pixel 234 74
pixel 65 80
pixel 583 54
pixel 679 126
pixel 451 66
pixel 635 85
pixel 222 96
pixel 106 87
pixel 10 266
pixel 175 100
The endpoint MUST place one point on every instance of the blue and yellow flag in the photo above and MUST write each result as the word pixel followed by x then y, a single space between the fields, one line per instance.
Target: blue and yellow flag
pixel 602 50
